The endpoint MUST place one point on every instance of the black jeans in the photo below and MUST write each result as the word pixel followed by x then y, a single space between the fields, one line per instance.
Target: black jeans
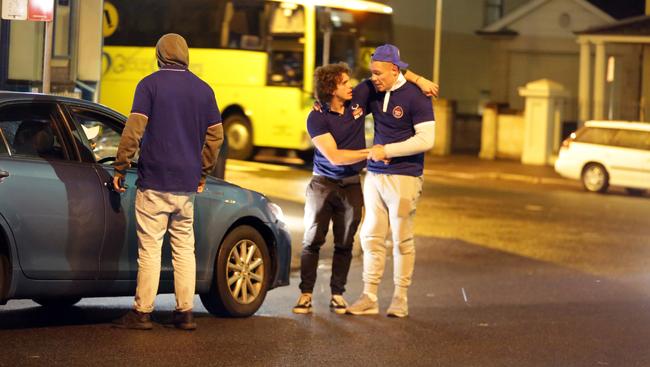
pixel 339 201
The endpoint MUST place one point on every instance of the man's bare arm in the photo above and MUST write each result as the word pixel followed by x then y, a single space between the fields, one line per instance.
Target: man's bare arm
pixel 339 157
pixel 429 88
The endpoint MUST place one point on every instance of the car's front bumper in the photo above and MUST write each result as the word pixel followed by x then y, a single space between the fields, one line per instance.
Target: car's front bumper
pixel 283 253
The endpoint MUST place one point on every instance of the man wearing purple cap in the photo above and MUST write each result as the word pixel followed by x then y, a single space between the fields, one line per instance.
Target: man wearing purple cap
pixel 404 130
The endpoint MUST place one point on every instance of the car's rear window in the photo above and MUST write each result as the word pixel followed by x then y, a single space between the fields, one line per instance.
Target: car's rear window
pixel 624 138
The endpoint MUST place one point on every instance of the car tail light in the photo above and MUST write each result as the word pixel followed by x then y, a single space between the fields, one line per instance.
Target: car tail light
pixel 567 142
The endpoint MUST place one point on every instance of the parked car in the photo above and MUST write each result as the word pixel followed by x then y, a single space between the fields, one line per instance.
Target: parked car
pixel 604 153
pixel 64 234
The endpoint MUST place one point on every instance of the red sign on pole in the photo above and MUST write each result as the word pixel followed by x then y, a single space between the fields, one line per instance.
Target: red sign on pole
pixel 40 10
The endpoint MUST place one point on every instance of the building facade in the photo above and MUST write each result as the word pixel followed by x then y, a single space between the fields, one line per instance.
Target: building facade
pixel 76 50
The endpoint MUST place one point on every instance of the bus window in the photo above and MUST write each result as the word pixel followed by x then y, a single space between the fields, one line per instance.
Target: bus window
pixel 199 21
pixel 288 18
pixel 286 44
pixel 354 36
pixel 242 25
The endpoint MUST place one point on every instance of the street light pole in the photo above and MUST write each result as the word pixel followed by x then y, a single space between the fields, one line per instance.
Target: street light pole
pixel 47 56
pixel 436 46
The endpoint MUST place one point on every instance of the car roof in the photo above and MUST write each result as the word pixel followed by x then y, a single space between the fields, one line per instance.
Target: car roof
pixel 628 125
pixel 6 96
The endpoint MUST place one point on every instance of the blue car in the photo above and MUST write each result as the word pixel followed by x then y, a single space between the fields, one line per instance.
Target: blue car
pixel 64 234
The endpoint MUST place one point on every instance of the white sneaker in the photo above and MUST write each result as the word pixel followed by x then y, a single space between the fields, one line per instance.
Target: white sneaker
pixel 398 307
pixel 364 306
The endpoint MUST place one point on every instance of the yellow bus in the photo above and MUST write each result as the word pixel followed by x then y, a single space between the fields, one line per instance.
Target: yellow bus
pixel 258 56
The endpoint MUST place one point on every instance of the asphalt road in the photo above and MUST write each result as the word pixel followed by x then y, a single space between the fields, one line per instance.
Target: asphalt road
pixel 507 274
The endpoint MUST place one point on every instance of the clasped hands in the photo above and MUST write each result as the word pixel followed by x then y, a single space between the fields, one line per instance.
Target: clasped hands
pixel 378 153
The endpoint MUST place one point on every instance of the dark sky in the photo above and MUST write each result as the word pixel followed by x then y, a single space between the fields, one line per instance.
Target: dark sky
pixel 621 8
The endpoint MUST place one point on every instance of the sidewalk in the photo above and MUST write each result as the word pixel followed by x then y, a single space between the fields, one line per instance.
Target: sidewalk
pixel 472 167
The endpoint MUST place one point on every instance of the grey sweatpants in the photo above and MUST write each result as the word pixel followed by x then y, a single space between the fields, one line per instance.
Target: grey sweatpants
pixel 390 202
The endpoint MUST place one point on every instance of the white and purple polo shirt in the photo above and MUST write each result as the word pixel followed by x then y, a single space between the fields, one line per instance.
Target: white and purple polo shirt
pixel 407 107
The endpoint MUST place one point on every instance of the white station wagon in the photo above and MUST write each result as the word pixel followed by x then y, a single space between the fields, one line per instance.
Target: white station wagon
pixel 604 153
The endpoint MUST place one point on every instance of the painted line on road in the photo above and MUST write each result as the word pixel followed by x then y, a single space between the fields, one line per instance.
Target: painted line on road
pixel 499 176
pixel 248 166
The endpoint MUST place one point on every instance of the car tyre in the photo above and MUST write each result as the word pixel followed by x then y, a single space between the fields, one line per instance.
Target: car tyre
pixel 595 178
pixel 238 132
pixel 241 274
pixel 61 302
pixel 5 274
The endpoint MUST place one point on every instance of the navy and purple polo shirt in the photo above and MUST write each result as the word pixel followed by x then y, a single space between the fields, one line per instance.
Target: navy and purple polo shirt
pixel 180 107
pixel 407 107
pixel 347 129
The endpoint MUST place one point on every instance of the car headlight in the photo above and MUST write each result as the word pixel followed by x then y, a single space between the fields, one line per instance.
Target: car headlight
pixel 276 211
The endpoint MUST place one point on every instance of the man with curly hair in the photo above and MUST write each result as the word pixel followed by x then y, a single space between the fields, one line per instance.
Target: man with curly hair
pixel 334 193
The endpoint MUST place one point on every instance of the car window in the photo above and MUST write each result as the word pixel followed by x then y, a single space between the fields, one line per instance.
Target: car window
pixel 99 134
pixel 632 139
pixel 596 135
pixel 30 130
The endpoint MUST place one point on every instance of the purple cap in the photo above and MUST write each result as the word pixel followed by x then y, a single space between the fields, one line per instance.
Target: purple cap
pixel 388 53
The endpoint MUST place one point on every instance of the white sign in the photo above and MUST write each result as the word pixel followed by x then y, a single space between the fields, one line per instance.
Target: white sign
pixel 14 9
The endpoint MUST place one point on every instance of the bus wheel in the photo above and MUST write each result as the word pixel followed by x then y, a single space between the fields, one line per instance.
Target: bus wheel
pixel 237 130
pixel 306 155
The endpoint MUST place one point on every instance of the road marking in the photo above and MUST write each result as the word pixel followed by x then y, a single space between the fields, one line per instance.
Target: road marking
pixel 247 166
pixel 499 176
pixel 534 208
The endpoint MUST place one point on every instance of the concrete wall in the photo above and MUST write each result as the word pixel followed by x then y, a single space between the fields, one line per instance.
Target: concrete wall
pixel 502 134
pixel 510 136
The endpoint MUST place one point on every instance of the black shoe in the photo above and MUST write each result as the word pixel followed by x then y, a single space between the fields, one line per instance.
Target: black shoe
pixel 134 320
pixel 183 320
pixel 338 304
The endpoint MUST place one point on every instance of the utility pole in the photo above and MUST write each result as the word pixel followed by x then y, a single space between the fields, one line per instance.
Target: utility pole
pixel 47 56
pixel 644 103
pixel 436 46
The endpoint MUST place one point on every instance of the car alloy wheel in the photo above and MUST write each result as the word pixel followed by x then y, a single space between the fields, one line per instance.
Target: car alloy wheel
pixel 245 271
pixel 242 273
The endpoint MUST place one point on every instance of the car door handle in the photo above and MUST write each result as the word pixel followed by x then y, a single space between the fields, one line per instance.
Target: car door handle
pixel 109 185
pixel 4 174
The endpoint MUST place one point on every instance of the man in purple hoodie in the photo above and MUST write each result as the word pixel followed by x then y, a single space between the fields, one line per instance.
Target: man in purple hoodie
pixel 176 124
